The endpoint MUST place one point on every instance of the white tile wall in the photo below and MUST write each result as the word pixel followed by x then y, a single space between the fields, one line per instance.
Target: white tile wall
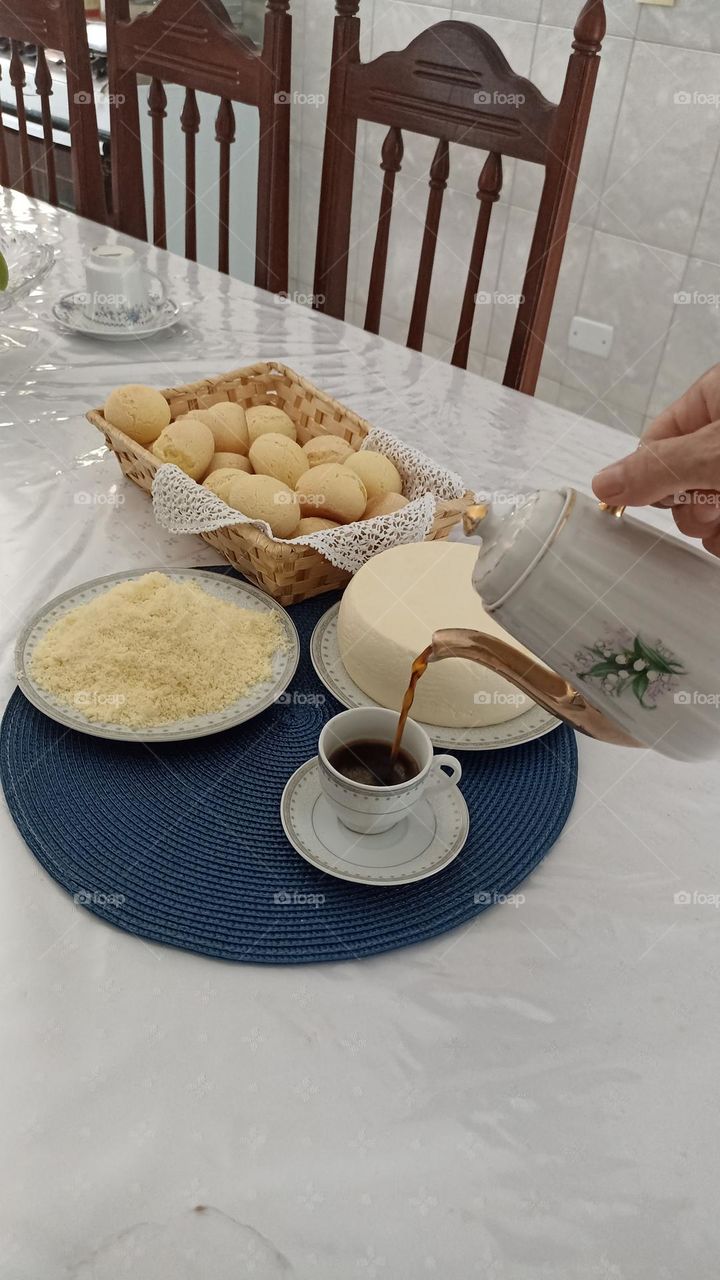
pixel 646 221
pixel 631 286
pixel 665 146
pixel 693 340
pixel 693 24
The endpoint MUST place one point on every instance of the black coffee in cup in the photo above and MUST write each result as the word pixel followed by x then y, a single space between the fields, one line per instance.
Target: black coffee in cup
pixel 372 763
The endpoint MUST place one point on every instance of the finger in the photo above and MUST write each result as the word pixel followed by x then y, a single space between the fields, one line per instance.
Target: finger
pixel 699 515
pixel 711 543
pixel 690 413
pixel 663 427
pixel 663 467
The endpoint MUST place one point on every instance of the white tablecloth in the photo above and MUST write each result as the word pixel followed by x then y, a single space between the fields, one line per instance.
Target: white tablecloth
pixel 531 1098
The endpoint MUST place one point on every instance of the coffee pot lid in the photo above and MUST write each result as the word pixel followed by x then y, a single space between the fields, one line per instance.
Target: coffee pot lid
pixel 513 544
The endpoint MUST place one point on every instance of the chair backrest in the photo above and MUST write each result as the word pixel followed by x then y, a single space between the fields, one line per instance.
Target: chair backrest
pixel 59 25
pixel 192 43
pixel 453 83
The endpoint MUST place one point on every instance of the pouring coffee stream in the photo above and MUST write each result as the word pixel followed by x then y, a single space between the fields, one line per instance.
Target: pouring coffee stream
pixel 532 678
pixel 543 686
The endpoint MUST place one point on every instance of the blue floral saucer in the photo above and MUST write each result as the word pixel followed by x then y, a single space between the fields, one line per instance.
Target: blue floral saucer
pixel 118 325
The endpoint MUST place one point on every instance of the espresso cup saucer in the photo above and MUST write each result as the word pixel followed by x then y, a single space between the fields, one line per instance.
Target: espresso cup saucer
pixel 420 845
pixel 160 314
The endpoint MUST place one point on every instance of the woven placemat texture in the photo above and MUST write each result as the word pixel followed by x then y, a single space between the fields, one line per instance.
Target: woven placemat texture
pixel 182 844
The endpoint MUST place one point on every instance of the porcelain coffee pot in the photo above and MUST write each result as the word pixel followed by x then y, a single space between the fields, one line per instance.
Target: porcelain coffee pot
pixel 624 622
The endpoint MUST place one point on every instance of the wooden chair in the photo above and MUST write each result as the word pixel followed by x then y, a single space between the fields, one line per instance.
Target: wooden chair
pixel 192 43
pixel 453 83
pixel 60 25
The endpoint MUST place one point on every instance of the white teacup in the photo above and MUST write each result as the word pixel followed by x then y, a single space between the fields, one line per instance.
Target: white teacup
pixel 371 810
pixel 117 286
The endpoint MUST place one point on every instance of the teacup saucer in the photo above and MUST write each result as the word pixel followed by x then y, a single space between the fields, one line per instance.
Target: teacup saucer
pixel 422 844
pixel 161 313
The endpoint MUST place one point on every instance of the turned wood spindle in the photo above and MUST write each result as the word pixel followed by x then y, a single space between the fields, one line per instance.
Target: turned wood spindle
pixel 157 104
pixel 488 193
pixel 4 170
pixel 225 135
pixel 190 125
pixel 43 85
pixel 392 154
pixel 439 174
pixel 17 80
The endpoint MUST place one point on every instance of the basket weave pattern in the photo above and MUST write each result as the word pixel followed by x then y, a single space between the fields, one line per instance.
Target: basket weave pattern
pixel 288 573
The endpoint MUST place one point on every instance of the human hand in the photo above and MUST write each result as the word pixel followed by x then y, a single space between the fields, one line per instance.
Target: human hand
pixel 676 465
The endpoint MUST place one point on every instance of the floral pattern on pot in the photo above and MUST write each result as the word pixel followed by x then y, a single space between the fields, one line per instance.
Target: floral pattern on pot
pixel 624 664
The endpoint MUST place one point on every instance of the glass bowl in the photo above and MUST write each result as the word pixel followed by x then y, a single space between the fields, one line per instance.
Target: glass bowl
pixel 28 260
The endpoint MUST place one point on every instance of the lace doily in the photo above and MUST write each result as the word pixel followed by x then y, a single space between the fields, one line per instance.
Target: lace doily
pixel 182 506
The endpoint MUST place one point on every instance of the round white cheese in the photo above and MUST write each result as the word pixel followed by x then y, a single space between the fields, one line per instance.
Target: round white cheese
pixel 387 617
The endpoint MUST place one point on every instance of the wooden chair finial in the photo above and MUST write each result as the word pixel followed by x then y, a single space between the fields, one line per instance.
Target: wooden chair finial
pixel 491 178
pixel 590 27
pixel 347 8
pixel 277 6
pixel 392 151
pixel 440 167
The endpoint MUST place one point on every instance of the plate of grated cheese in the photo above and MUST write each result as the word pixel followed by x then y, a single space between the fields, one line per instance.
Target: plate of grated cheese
pixel 157 655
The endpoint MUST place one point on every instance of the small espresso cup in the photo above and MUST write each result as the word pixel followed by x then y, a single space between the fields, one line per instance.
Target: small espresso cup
pixel 371 810
pixel 116 285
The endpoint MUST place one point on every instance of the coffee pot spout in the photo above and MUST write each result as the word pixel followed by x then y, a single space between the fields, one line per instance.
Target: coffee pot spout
pixel 473 517
pixel 545 687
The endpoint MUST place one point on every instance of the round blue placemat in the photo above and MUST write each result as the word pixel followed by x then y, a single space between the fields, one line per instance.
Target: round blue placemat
pixel 182 843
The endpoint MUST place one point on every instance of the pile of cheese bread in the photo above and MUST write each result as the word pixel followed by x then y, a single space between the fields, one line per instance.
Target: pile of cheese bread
pixel 250 458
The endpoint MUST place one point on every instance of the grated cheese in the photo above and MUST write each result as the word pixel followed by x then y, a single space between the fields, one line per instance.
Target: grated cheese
pixel 155 650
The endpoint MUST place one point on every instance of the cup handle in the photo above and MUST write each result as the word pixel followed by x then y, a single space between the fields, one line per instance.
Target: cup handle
pixel 439 780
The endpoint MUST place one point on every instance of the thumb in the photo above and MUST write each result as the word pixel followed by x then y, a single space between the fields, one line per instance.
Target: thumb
pixel 662 467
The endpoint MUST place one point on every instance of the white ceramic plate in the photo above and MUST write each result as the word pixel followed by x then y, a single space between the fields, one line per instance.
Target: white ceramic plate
pixel 423 843
pixel 228 589
pixel 326 659
pixel 70 312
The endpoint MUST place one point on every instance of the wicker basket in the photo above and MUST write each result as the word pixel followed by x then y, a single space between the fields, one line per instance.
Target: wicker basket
pixel 288 573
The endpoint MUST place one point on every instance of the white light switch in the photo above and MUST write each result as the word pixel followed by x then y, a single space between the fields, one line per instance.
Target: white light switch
pixel 591 336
